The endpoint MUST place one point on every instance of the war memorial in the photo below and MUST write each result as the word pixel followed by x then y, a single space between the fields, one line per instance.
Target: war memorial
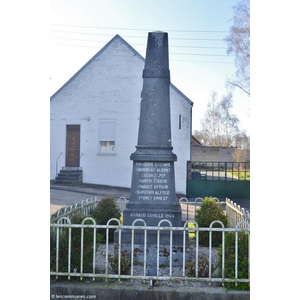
pixel 152 196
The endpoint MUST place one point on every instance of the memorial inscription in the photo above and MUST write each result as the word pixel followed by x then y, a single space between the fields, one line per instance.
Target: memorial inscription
pixel 153 194
pixel 153 180
pixel 153 215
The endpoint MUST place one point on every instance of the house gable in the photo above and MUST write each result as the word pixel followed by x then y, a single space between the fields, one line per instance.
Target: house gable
pixel 136 53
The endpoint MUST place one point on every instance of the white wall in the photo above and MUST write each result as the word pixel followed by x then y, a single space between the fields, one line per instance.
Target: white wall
pixel 181 138
pixel 109 88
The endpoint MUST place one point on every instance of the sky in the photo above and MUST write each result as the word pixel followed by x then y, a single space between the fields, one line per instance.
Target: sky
pixel 199 63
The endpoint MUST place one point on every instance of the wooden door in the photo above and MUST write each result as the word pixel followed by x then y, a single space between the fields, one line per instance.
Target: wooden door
pixel 73 146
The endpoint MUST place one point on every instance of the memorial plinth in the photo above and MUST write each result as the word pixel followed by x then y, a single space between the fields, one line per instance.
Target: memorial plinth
pixel 153 195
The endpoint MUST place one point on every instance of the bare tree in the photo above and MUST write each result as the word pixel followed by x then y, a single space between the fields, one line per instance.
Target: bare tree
pixel 242 141
pixel 240 155
pixel 219 125
pixel 238 43
pixel 210 124
pixel 229 122
pixel 199 136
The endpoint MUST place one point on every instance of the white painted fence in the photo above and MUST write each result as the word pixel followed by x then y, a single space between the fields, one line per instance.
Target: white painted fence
pixel 85 207
pixel 238 221
pixel 234 212
pixel 158 228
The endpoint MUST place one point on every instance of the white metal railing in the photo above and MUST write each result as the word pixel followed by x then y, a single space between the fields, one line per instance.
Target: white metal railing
pixel 85 207
pixel 196 203
pixel 234 212
pixel 64 222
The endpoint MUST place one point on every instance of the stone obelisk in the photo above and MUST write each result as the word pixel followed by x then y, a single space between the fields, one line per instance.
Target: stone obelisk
pixel 153 195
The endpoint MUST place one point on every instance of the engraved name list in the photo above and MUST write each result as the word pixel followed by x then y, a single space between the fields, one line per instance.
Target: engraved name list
pixel 153 180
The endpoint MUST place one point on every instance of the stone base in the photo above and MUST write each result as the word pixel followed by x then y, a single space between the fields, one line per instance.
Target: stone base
pixel 151 255
pixel 164 239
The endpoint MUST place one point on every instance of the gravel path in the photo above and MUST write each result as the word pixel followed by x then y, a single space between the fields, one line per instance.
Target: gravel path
pixel 138 269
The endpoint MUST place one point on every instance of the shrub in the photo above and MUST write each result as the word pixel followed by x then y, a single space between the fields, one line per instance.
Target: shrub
pixel 106 209
pixel 210 211
pixel 75 247
pixel 203 267
pixel 243 267
pixel 125 262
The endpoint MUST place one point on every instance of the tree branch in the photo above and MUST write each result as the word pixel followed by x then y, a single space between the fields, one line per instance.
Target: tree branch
pixel 236 85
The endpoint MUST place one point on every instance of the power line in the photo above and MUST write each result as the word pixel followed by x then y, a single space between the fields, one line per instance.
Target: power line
pixel 135 36
pixel 212 62
pixel 197 54
pixel 136 29
pixel 197 47
pixel 169 53
pixel 200 54
pixel 174 46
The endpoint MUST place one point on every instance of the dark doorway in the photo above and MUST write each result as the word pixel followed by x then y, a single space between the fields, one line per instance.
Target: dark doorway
pixel 73 146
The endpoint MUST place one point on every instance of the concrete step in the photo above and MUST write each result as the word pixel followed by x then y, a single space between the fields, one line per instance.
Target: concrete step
pixel 71 172
pixel 65 182
pixel 72 168
pixel 69 176
pixel 76 180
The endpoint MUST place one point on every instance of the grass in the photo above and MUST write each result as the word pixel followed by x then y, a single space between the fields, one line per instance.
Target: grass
pixel 192 234
pixel 240 175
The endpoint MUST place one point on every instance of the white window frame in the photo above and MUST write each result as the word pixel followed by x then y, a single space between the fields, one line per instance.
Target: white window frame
pixel 107 137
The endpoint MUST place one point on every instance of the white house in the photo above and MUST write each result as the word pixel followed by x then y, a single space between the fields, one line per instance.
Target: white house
pixel 95 119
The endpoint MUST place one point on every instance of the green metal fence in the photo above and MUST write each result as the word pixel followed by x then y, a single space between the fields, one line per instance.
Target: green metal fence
pixel 218 179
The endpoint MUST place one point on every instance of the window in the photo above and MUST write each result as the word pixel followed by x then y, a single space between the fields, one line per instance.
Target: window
pixel 107 145
pixel 107 136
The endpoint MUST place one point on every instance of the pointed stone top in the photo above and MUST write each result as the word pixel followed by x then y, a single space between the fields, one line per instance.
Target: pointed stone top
pixel 157 56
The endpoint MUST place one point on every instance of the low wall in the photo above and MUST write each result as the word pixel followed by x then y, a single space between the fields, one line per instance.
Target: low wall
pixel 141 291
pixel 204 153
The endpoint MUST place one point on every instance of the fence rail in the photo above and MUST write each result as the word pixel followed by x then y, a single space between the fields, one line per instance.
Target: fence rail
pixel 238 220
pixel 85 207
pixel 68 211
pixel 221 179
pixel 226 171
pixel 59 225
pixel 234 212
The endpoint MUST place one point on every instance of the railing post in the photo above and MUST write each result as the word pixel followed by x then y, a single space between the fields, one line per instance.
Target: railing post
pixel 57 163
pixel 236 256
pixel 57 250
